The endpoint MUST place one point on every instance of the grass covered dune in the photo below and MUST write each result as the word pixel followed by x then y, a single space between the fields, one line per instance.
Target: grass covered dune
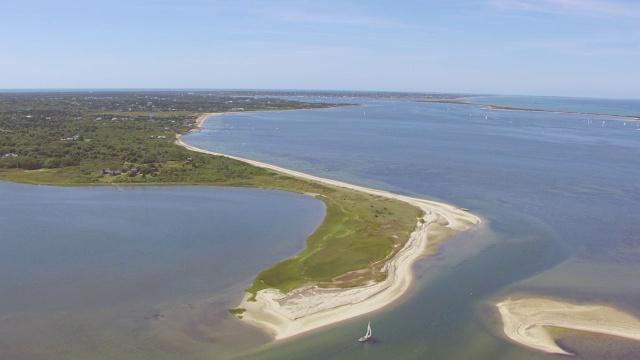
pixel 357 261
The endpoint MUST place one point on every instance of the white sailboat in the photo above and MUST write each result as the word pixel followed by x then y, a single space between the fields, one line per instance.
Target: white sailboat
pixel 367 336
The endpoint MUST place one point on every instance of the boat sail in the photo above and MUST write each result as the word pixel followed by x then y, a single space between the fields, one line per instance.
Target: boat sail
pixel 367 336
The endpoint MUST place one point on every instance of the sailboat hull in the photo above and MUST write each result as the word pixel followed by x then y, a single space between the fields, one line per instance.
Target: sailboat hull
pixel 367 336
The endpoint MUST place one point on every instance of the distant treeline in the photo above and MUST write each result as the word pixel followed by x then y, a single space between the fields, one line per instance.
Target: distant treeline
pixel 130 133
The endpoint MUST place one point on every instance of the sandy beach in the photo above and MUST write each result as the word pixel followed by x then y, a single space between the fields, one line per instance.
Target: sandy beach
pixel 525 321
pixel 201 119
pixel 301 310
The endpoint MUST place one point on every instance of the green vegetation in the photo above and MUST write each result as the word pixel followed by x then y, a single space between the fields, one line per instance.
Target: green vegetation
pixel 237 311
pixel 76 135
pixel 359 232
pixel 128 138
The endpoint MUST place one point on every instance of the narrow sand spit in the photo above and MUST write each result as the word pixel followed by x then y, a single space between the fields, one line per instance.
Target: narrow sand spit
pixel 304 309
pixel 201 119
pixel 525 321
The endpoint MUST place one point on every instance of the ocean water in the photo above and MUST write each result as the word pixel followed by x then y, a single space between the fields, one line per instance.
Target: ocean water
pixel 558 193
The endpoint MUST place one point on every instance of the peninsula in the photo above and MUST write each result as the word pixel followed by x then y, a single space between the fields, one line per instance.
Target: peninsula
pixel 312 304
pixel 358 260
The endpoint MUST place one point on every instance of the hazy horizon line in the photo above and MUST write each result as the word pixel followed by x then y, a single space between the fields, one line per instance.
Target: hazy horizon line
pixel 89 89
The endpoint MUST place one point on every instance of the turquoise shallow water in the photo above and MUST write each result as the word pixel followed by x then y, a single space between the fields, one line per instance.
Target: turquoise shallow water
pixel 559 193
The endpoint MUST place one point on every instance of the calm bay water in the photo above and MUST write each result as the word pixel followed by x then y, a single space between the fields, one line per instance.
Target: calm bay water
pixel 149 273
pixel 558 192
pixel 93 273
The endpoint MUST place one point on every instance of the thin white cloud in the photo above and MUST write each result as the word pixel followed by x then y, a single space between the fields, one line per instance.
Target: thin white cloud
pixel 590 8
pixel 587 46
pixel 339 13
pixel 582 48
pixel 334 19
pixel 330 12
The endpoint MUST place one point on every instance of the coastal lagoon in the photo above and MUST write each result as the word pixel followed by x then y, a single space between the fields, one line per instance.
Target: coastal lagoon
pixel 150 272
pixel 97 273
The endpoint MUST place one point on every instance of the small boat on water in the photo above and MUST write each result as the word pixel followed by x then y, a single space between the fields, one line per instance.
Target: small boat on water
pixel 367 336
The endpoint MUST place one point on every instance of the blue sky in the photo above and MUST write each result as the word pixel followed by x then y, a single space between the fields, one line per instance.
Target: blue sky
pixel 531 47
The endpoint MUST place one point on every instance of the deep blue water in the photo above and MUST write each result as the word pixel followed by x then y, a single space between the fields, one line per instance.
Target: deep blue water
pixel 558 191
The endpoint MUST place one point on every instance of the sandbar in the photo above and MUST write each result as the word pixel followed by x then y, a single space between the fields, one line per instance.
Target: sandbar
pixel 307 308
pixel 526 320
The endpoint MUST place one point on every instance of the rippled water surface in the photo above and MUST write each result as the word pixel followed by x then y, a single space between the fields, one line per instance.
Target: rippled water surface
pixel 150 272
pixel 559 194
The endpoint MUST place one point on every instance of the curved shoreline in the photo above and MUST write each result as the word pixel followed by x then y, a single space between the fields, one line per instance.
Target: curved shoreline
pixel 304 309
pixel 525 321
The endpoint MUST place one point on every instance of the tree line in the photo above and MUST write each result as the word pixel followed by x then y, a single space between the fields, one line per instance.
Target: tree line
pixel 83 133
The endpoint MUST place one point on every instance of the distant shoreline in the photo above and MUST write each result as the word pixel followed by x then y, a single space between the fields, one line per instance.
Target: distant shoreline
pixel 301 310
pixel 512 108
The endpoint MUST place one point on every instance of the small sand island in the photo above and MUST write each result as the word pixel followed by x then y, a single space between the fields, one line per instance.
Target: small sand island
pixel 526 321
pixel 310 306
